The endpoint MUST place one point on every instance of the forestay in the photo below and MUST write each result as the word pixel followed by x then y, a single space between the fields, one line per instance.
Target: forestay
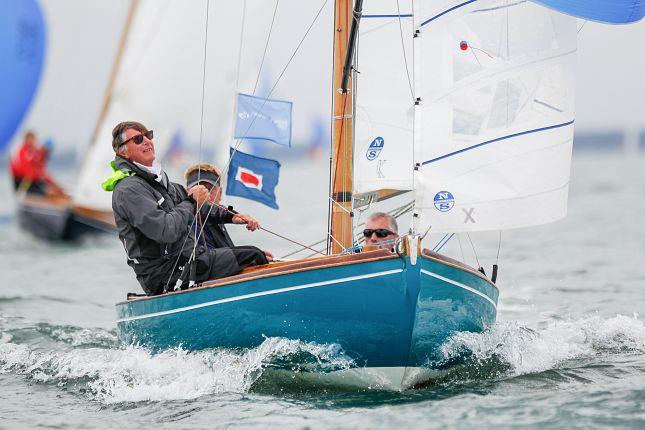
pixel 494 128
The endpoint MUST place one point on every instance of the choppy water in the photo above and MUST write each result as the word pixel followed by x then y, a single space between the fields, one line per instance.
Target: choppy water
pixel 568 350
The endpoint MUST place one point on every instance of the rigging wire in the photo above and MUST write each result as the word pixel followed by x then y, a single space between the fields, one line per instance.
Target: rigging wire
pixel 395 213
pixel 225 170
pixel 474 251
pixel 201 121
pixel 239 51
pixel 499 246
pixel 405 59
pixel 266 47
pixel 461 248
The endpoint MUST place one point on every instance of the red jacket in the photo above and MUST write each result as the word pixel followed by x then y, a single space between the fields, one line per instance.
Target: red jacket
pixel 29 163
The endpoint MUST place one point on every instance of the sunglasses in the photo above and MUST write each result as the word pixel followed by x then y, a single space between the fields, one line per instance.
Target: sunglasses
pixel 139 137
pixel 380 232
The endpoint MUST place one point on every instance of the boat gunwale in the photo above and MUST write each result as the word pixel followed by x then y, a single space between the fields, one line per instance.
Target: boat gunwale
pixel 440 258
pixel 262 273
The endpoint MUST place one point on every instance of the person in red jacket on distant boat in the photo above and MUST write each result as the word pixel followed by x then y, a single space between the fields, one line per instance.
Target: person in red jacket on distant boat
pixel 28 168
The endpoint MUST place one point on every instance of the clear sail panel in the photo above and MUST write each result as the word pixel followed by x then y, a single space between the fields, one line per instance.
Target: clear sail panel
pixel 494 129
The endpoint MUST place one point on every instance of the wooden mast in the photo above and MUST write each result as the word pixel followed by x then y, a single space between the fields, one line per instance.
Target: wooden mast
pixel 341 230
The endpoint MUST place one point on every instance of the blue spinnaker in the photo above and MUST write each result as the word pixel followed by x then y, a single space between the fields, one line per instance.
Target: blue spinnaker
pixel 22 47
pixel 608 11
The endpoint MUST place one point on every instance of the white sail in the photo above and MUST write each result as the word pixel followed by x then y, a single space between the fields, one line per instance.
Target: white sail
pixel 494 129
pixel 159 83
pixel 384 112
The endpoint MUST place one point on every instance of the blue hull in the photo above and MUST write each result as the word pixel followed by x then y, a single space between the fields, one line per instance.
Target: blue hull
pixel 383 313
pixel 57 222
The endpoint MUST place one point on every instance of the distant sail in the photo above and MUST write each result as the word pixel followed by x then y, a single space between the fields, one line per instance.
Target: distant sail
pixel 159 84
pixel 609 11
pixel 22 48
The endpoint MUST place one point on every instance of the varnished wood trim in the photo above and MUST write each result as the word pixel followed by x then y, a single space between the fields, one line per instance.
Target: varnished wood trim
pixel 294 267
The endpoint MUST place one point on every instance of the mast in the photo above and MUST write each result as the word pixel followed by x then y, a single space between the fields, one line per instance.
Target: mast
pixel 341 186
pixel 107 97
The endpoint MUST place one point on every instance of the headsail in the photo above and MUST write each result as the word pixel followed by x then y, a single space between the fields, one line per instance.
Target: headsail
pixel 494 127
pixel 384 98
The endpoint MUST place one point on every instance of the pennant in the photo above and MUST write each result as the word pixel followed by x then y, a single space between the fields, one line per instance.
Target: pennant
pixel 262 118
pixel 253 178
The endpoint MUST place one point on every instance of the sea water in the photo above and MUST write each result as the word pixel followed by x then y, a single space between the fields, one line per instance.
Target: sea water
pixel 568 350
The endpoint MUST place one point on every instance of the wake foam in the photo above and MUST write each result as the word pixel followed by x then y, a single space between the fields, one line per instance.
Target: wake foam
pixel 134 374
pixel 512 349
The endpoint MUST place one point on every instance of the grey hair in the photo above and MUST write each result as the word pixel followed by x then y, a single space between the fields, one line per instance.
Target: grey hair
pixel 391 222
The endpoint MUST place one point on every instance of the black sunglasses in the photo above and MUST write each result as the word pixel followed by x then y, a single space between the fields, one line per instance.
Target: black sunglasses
pixel 380 232
pixel 139 137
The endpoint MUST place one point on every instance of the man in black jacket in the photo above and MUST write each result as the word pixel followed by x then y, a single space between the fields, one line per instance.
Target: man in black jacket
pixel 154 218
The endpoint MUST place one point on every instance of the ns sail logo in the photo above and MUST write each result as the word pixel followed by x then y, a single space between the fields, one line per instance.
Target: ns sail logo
pixel 375 148
pixel 444 201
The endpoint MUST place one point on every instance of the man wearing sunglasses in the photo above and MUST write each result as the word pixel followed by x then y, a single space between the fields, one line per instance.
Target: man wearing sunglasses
pixel 381 230
pixel 154 217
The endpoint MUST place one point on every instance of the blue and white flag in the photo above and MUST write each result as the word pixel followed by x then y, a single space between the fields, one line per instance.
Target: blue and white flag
pixel 253 178
pixel 262 118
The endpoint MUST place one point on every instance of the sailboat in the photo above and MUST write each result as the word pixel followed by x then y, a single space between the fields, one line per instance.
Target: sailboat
pixel 468 106
pixel 154 37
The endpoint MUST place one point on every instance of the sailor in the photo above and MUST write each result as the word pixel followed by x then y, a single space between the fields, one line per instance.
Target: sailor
pixel 381 230
pixel 153 217
pixel 29 168
pixel 214 235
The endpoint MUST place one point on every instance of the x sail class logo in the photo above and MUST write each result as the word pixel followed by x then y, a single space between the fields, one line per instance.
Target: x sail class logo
pixel 375 148
pixel 444 201
pixel 249 178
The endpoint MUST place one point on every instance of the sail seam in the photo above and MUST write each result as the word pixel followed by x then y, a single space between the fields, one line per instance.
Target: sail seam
pixel 439 15
pixel 488 142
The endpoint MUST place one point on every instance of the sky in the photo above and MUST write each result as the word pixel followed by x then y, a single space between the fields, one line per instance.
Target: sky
pixel 83 35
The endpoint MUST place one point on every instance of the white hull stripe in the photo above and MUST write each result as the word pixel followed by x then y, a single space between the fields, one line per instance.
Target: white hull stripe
pixel 460 285
pixel 263 293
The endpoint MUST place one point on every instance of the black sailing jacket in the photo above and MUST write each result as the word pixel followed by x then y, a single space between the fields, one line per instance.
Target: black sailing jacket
pixel 153 221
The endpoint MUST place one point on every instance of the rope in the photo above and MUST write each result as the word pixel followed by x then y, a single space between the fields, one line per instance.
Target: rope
pixel 499 246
